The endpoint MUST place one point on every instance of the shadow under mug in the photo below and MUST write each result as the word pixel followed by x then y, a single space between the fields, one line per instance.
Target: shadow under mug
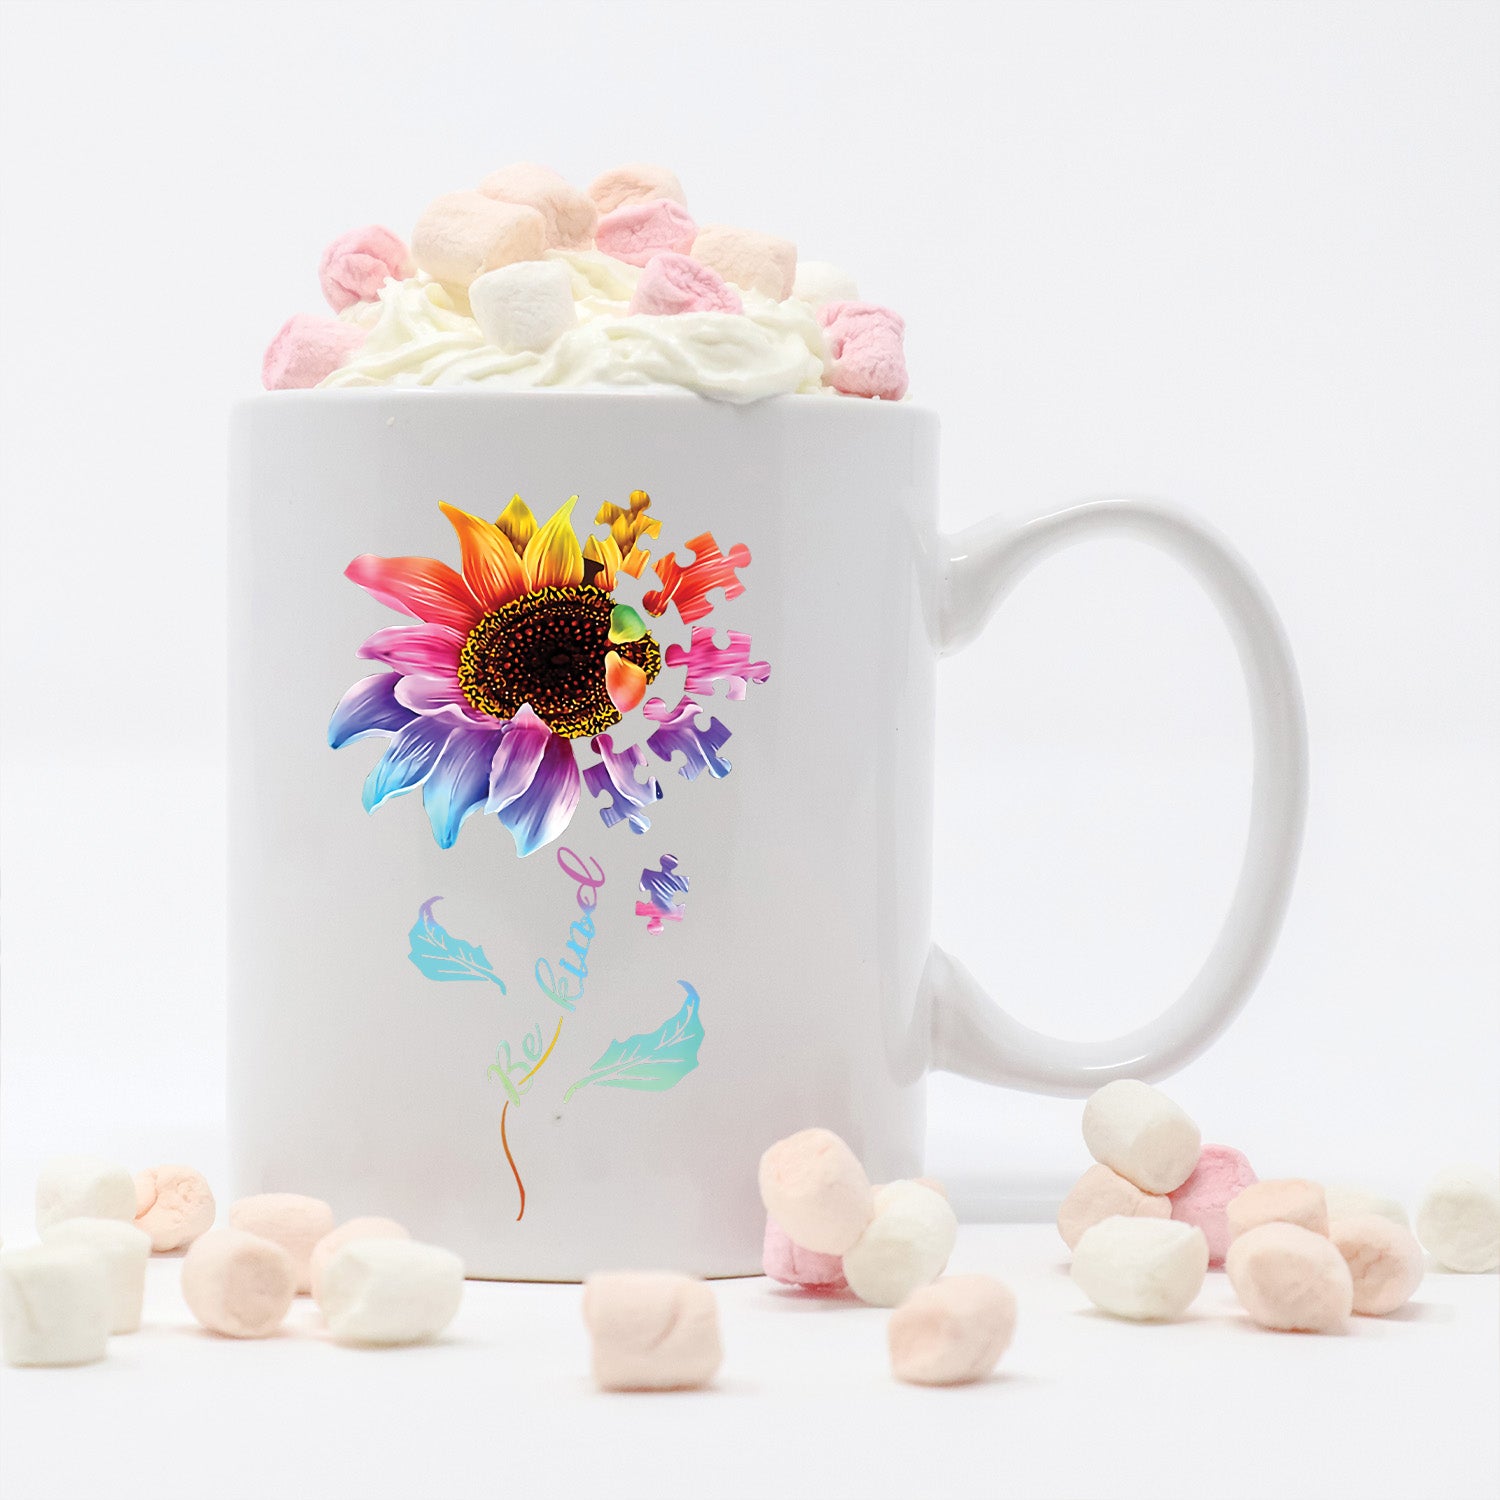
pixel 580 852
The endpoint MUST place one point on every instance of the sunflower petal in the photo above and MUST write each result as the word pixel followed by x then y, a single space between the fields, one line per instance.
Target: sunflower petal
pixel 541 812
pixel 517 523
pixel 603 552
pixel 492 569
pixel 516 760
pixel 419 586
pixel 553 557
pixel 459 782
pixel 369 707
pixel 425 649
pixel 624 682
pixel 407 762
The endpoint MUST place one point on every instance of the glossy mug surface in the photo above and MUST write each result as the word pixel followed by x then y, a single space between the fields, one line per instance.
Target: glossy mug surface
pixel 644 879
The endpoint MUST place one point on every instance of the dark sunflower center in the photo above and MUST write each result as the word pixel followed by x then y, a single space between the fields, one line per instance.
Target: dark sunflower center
pixel 548 649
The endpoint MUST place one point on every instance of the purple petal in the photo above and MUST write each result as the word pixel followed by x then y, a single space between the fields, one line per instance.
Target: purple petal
pixel 442 696
pixel 460 781
pixel 545 808
pixel 516 760
pixel 425 650
pixel 408 762
pixel 369 707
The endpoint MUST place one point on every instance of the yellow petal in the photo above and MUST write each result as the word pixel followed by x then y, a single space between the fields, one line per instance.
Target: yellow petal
pixel 491 568
pixel 553 557
pixel 607 555
pixel 518 523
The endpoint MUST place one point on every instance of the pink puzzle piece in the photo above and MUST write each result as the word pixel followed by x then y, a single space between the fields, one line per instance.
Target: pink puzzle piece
pixel 687 587
pixel 661 885
pixel 615 777
pixel 680 732
pixel 658 915
pixel 706 663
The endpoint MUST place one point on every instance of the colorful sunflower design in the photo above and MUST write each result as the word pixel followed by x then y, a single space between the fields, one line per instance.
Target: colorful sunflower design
pixel 528 651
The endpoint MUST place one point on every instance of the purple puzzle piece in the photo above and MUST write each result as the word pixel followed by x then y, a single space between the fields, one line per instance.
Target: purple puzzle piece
pixel 615 777
pixel 680 732
pixel 706 663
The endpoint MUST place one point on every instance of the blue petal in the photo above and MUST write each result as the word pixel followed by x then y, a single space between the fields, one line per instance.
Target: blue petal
pixel 460 782
pixel 545 808
pixel 369 707
pixel 408 762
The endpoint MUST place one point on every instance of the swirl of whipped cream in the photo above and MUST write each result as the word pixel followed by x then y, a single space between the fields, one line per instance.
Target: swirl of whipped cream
pixel 419 333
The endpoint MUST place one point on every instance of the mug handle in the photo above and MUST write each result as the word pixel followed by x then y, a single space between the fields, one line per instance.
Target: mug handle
pixel 970 1033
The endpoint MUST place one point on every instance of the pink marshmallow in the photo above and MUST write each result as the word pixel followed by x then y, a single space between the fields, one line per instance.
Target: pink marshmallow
pixel 865 342
pixel 460 236
pixel 306 350
pixel 291 1220
pixel 1100 1194
pixel 785 1261
pixel 237 1283
pixel 672 283
pixel 174 1205
pixel 813 1185
pixel 1289 1278
pixel 651 1330
pixel 355 266
pixel 638 231
pixel 639 182
pixel 1384 1259
pixel 1221 1175
pixel 951 1332
pixel 570 216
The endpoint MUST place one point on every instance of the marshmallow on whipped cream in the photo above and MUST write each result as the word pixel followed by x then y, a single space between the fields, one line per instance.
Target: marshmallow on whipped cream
pixel 525 282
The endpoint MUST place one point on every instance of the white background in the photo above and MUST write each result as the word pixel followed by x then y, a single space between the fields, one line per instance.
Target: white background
pixel 1240 256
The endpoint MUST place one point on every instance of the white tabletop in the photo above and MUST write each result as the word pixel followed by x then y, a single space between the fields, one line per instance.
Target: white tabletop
pixel 1083 1405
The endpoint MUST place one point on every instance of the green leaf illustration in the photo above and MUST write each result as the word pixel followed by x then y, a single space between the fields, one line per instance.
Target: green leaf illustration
pixel 441 955
pixel 654 1060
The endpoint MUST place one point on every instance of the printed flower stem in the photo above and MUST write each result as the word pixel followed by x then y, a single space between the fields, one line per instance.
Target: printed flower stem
pixel 504 1138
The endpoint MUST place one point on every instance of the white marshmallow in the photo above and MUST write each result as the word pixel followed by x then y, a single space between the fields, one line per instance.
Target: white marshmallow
pixel 1348 1202
pixel 528 305
pixel 54 1305
pixel 819 282
pixel 1143 1269
pixel 83 1187
pixel 1142 1134
pixel 1459 1220
pixel 123 1250
pixel 390 1291
pixel 905 1246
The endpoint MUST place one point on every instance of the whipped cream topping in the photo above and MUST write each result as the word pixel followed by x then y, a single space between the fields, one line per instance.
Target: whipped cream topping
pixel 420 333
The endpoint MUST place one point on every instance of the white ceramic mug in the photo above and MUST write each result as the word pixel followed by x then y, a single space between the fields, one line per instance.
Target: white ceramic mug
pixel 573 1057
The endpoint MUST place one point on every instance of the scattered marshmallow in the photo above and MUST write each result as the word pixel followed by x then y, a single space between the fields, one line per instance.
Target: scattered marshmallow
pixel 1285 1200
pixel 525 306
pixel 356 265
pixel 671 283
pixel 813 1186
pixel 1384 1259
pixel 757 262
pixel 1221 1175
pixel 1148 1270
pixel 307 349
pixel 290 1220
pixel 888 1192
pixel 123 1251
pixel 866 349
pixel 651 1331
pixel 54 1305
pixel 82 1187
pixel 390 1291
pixel 174 1205
pixel 638 231
pixel 1101 1193
pixel 818 283
pixel 1459 1220
pixel 905 1246
pixel 570 216
pixel 1291 1278
pixel 639 182
pixel 237 1283
pixel 1142 1134
pixel 783 1260
pixel 953 1331
pixel 1344 1202
pixel 463 235
pixel 346 1234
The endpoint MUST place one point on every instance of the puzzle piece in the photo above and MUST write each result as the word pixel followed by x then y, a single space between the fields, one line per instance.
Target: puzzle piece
pixel 661 885
pixel 706 663
pixel 626 527
pixel 679 731
pixel 615 777
pixel 658 915
pixel 686 586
